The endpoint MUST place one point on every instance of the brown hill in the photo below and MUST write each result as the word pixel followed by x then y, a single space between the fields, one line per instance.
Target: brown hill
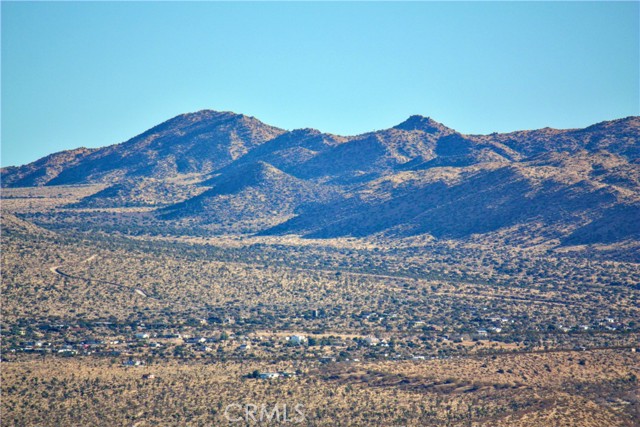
pixel 190 143
pixel 571 196
pixel 44 170
pixel 250 198
pixel 234 173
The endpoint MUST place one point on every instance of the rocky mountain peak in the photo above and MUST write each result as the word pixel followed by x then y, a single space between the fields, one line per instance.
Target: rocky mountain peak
pixel 422 123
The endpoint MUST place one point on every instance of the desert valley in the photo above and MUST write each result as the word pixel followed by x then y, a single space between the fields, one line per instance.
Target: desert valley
pixel 216 268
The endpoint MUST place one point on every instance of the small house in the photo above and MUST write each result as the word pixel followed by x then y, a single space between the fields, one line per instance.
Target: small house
pixel 372 341
pixel 297 339
pixel 268 375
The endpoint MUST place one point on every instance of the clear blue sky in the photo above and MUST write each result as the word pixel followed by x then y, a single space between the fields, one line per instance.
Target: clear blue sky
pixel 93 74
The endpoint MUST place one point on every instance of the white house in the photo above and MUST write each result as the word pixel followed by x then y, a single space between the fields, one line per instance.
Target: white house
pixel 297 339
pixel 372 341
pixel 269 375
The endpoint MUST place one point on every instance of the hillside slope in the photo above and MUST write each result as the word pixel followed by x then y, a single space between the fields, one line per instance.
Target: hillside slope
pixel 232 173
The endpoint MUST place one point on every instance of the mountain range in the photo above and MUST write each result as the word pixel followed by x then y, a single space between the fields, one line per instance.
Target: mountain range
pixel 236 174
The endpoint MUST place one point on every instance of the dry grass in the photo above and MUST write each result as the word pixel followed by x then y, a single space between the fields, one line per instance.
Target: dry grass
pixel 532 390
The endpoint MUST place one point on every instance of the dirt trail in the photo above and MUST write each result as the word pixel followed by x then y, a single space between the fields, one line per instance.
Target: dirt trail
pixel 56 270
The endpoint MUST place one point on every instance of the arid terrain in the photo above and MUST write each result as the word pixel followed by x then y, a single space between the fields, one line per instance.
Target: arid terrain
pixel 412 276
